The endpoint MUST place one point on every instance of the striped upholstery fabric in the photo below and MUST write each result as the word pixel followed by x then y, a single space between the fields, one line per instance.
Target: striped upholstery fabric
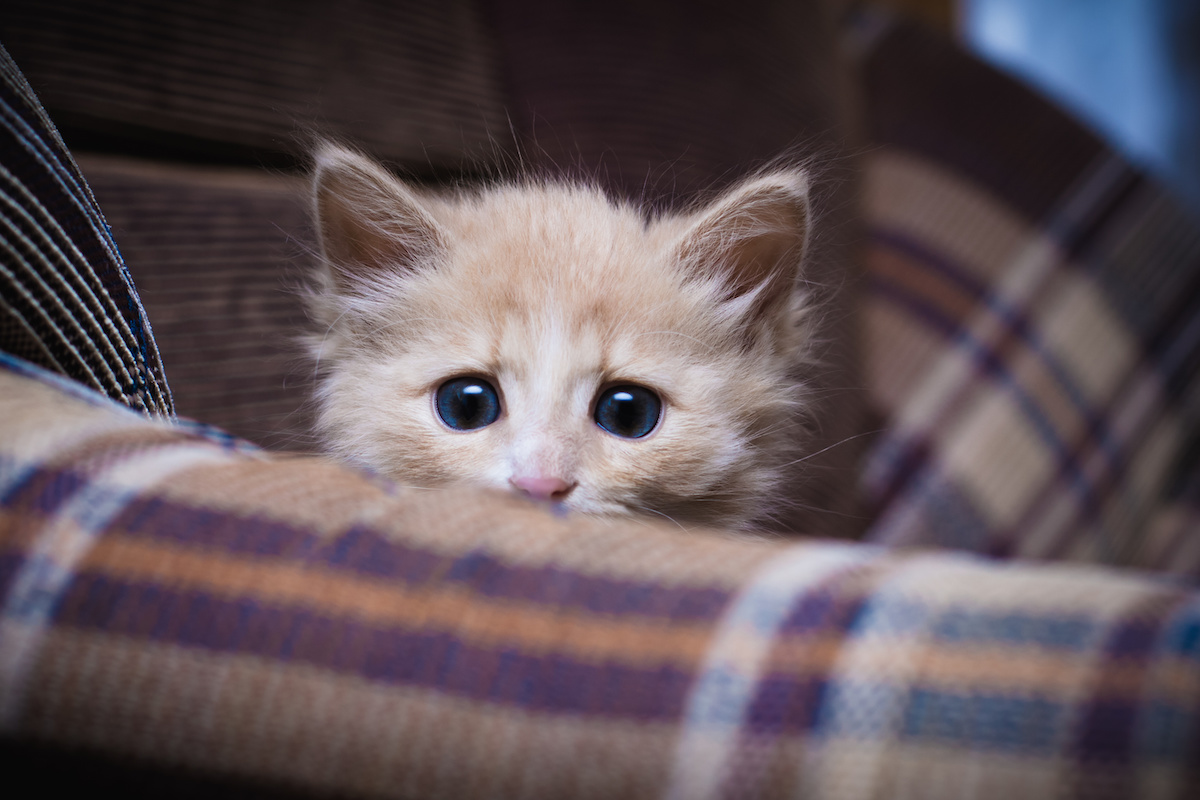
pixel 1033 326
pixel 67 302
pixel 220 256
pixel 174 601
pixel 412 81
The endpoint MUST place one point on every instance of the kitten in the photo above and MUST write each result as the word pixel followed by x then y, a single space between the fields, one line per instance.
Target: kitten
pixel 541 338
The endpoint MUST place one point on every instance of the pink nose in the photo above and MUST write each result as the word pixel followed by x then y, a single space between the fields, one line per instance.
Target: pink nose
pixel 543 488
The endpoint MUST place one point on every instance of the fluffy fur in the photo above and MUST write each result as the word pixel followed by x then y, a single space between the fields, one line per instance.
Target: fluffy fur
pixel 554 292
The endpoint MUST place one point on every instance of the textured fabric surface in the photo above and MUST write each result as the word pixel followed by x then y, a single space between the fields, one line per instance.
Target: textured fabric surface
pixel 664 100
pixel 411 81
pixel 66 299
pixel 219 256
pixel 181 601
pixel 1033 323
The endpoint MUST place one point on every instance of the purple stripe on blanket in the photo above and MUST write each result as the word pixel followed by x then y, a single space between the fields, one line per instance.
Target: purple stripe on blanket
pixel 944 517
pixel 1136 638
pixel 10 566
pixel 1017 327
pixel 953 519
pixel 1089 486
pixel 430 659
pixel 785 704
pixel 1173 346
pixel 365 552
pixel 43 491
pixel 896 457
pixel 199 528
pixel 489 576
pixel 992 365
pixel 824 609
pixel 1111 729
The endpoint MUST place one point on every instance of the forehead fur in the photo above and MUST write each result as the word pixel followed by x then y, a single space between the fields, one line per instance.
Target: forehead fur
pixel 556 262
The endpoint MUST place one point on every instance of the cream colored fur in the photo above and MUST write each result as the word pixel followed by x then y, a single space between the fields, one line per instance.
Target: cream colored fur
pixel 554 292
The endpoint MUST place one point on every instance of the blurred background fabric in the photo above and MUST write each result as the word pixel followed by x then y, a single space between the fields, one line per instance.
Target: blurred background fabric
pixel 1128 68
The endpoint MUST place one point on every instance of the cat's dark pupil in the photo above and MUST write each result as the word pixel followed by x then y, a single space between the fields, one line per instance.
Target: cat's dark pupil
pixel 468 403
pixel 630 412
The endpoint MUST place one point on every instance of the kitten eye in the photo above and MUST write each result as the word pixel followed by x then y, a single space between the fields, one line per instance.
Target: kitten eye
pixel 467 403
pixel 628 411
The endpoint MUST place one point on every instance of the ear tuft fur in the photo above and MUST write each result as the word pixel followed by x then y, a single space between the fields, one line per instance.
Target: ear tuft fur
pixel 368 221
pixel 752 238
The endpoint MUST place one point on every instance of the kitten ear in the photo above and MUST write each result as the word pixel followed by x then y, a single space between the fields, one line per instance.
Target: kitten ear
pixel 367 220
pixel 752 239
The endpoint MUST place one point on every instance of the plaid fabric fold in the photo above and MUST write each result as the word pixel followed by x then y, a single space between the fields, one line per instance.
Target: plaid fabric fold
pixel 66 299
pixel 1032 326
pixel 180 601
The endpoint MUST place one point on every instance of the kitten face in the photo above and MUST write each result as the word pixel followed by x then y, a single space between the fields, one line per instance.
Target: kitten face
pixel 541 339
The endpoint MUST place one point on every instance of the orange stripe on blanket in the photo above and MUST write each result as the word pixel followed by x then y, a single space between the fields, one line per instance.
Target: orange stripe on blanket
pixel 973 669
pixel 479 620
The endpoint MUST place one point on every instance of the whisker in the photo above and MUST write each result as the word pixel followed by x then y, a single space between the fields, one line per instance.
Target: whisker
pixel 409 321
pixel 667 517
pixel 838 443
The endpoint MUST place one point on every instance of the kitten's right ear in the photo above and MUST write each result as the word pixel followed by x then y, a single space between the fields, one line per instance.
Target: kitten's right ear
pixel 368 222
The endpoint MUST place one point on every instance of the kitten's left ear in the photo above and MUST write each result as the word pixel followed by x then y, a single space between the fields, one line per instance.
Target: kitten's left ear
pixel 752 239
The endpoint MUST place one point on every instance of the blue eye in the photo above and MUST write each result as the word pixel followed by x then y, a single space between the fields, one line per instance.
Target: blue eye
pixel 628 411
pixel 467 403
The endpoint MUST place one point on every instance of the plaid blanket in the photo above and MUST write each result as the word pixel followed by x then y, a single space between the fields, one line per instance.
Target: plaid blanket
pixel 176 602
pixel 174 599
pixel 1033 326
